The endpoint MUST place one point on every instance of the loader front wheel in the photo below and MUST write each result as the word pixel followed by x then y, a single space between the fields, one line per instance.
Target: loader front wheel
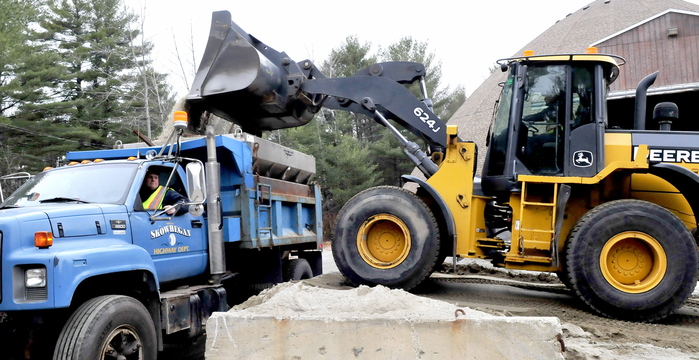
pixel 632 260
pixel 383 241
pixel 386 236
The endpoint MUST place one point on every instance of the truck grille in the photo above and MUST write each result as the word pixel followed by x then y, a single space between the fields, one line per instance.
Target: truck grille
pixel 36 294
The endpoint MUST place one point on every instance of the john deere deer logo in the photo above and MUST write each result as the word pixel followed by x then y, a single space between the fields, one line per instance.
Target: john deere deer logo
pixel 582 158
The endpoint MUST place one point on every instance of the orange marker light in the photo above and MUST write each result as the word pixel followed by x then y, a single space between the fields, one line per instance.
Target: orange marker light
pixel 73 163
pixel 47 168
pixel 43 239
pixel 180 119
pixel 591 50
pixel 132 158
pixel 528 53
pixel 85 162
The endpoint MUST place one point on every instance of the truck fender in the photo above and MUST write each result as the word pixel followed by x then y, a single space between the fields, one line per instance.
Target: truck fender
pixel 686 181
pixel 71 268
pixel 446 215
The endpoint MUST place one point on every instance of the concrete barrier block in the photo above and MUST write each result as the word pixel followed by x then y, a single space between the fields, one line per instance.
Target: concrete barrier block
pixel 297 321
pixel 230 336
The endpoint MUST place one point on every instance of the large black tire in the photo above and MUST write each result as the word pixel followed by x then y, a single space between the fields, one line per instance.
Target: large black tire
pixel 386 236
pixel 632 260
pixel 563 274
pixel 446 244
pixel 96 329
pixel 297 269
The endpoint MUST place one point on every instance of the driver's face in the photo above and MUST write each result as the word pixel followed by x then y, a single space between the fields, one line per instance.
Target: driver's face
pixel 152 181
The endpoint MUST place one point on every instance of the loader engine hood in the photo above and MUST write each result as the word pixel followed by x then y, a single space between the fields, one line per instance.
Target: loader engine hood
pixel 246 82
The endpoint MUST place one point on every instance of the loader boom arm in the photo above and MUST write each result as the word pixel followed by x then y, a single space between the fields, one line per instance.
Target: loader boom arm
pixel 392 100
pixel 247 82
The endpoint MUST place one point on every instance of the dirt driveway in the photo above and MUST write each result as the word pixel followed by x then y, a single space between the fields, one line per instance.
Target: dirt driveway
pixel 505 293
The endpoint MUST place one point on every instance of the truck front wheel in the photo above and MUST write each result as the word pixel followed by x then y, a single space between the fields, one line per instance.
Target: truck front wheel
pixel 108 327
pixel 386 236
pixel 631 259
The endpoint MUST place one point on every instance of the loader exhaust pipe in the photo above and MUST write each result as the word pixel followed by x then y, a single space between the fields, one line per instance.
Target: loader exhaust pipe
pixel 639 121
pixel 247 82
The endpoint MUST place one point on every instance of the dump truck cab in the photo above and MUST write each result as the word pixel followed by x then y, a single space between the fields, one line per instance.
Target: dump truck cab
pixel 550 120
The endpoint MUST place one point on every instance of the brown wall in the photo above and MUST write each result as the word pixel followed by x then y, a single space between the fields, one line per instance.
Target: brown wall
pixel 647 48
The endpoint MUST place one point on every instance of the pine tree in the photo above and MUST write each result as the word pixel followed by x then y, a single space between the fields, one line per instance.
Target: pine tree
pixel 27 75
pixel 345 61
pixel 88 84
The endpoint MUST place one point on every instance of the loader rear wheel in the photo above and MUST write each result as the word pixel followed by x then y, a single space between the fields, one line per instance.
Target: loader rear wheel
pixel 386 236
pixel 632 260
pixel 108 327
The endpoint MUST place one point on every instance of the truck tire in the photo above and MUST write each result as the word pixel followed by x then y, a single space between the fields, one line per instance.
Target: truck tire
pixel 108 327
pixel 386 236
pixel 297 269
pixel 632 260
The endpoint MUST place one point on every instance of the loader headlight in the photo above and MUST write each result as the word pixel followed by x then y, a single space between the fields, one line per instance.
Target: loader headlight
pixel 35 278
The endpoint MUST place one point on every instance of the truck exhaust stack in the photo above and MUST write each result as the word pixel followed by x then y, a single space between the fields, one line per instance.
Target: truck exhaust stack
pixel 238 71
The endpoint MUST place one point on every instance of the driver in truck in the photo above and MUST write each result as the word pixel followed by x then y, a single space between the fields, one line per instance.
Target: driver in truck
pixel 160 197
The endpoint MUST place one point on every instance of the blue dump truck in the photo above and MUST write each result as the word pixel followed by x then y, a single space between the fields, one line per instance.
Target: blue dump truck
pixel 89 272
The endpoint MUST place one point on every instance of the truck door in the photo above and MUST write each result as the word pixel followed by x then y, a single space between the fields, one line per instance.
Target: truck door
pixel 178 245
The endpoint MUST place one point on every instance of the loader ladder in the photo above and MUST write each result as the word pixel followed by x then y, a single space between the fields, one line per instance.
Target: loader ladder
pixel 536 225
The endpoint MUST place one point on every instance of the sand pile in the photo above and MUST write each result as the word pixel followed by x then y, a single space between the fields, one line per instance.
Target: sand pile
pixel 307 299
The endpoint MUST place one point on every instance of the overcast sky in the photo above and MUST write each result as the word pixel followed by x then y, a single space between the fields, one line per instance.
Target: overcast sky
pixel 466 36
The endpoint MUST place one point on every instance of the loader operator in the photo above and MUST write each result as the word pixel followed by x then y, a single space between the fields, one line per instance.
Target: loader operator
pixel 549 114
pixel 159 197
pixel 541 153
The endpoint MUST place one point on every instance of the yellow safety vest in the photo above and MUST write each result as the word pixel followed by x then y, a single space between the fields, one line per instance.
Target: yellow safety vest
pixel 155 200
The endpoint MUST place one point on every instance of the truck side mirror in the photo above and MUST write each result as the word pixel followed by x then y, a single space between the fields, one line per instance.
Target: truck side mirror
pixel 196 182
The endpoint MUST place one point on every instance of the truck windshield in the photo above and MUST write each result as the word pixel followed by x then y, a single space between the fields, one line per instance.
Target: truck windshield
pixel 97 183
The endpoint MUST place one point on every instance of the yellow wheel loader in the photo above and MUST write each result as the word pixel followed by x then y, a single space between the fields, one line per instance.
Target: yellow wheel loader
pixel 611 211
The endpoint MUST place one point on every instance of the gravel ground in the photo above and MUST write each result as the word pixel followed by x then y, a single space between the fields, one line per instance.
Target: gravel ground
pixel 586 335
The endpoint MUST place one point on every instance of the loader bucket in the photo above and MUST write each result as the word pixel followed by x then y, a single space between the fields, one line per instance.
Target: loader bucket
pixel 246 82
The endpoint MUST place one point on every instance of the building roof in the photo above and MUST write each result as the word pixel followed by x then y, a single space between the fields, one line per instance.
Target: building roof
pixel 573 34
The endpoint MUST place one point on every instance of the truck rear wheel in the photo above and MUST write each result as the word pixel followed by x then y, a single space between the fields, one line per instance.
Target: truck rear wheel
pixel 297 269
pixel 632 260
pixel 108 327
pixel 386 236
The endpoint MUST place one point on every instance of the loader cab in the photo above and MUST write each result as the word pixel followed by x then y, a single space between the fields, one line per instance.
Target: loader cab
pixel 550 119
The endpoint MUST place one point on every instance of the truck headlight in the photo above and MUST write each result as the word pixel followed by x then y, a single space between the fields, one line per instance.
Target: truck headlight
pixel 35 278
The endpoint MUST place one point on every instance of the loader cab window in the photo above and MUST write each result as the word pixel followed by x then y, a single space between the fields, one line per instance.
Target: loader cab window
pixel 541 146
pixel 499 130
pixel 582 100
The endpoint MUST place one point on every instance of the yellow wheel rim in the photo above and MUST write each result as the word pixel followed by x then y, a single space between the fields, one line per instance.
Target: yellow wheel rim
pixel 633 262
pixel 383 241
